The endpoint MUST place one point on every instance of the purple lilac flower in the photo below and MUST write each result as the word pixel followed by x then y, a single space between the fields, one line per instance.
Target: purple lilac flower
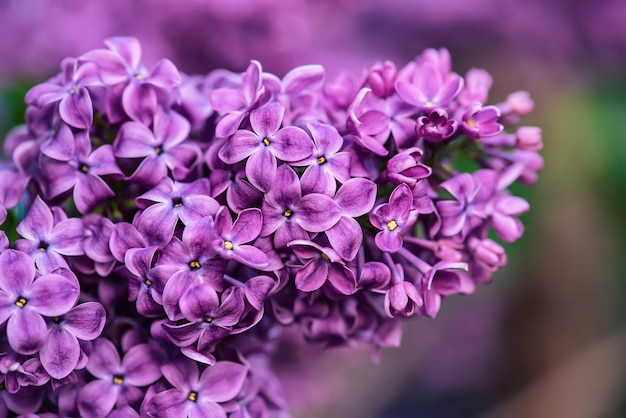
pixel 328 164
pixel 265 144
pixel 289 215
pixel 61 351
pixel 24 300
pixel 325 180
pixel 428 87
pixel 394 218
pixel 190 261
pixel 143 287
pixel 436 126
pixel 48 242
pixel 161 149
pixel 355 198
pixel 195 395
pixel 479 121
pixel 83 173
pixel 209 319
pixel 118 381
pixel 230 238
pixel 169 202
pixel 69 90
pixel 236 103
pixel 133 89
pixel 321 265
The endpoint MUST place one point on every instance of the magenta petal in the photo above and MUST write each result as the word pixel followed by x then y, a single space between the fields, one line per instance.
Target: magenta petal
pixel 388 241
pixel 317 212
pixel 140 102
pixel 182 335
pixel 26 331
pixel 169 404
pixel 401 199
pixel 222 381
pixel 76 109
pixel 182 374
pixel 198 302
pixel 266 120
pixel 60 146
pixel 316 179
pixel 239 147
pixel 207 409
pixel 85 321
pixel 261 169
pixel 170 128
pixel 312 275
pixel 250 256
pixel 89 191
pixel 306 77
pixel 346 237
pixel 356 197
pixel 229 124
pixel 257 289
pixel 134 140
pixel 286 191
pixel 127 48
pixel 59 355
pixel 104 359
pixel 67 237
pixel 53 295
pixel 225 100
pixel 342 279
pixel 97 399
pixel 247 226
pixel 38 222
pixel 124 237
pixel 18 272
pixel 508 228
pixel 157 223
pixel 164 74
pixel 140 366
pixel 292 144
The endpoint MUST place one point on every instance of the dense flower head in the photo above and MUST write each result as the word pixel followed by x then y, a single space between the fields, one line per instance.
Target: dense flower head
pixel 169 225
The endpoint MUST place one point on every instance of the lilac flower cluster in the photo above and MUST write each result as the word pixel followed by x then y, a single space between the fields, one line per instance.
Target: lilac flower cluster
pixel 174 224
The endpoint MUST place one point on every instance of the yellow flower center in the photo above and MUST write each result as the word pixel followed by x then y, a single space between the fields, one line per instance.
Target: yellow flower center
pixel 321 160
pixel 228 245
pixel 158 150
pixel 471 123
pixel 193 396
pixel 266 142
pixel 287 213
pixel 20 302
pixel 148 282
pixel 325 257
pixel 195 265
pixel 208 319
pixel 392 224
pixel 118 380
pixel 84 168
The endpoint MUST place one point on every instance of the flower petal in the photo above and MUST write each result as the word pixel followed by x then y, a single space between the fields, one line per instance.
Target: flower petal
pixel 198 302
pixel 37 223
pixel 346 237
pixel 222 381
pixel 26 331
pixel 261 169
pixel 171 403
pixel 140 102
pixel 104 359
pixel 97 398
pixel 247 226
pixel 52 295
pixel 266 120
pixel 317 212
pixel 141 368
pixel 292 144
pixel 356 197
pixel 59 355
pixel 85 321
pixel 18 272
pixel 76 109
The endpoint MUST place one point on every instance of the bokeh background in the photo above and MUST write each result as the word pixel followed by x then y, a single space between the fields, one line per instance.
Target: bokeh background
pixel 548 337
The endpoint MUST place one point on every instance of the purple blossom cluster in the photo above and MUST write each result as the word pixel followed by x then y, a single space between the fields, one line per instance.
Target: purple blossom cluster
pixel 173 225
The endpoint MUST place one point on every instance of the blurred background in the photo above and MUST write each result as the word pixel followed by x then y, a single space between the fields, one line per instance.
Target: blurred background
pixel 548 337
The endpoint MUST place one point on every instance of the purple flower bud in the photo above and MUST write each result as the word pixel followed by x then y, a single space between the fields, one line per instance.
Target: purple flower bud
pixel 436 126
pixel 528 138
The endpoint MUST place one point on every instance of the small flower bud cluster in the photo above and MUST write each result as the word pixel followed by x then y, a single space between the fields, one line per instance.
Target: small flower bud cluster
pixel 171 225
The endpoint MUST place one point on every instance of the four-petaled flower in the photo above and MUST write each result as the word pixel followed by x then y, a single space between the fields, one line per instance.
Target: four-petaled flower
pixel 394 218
